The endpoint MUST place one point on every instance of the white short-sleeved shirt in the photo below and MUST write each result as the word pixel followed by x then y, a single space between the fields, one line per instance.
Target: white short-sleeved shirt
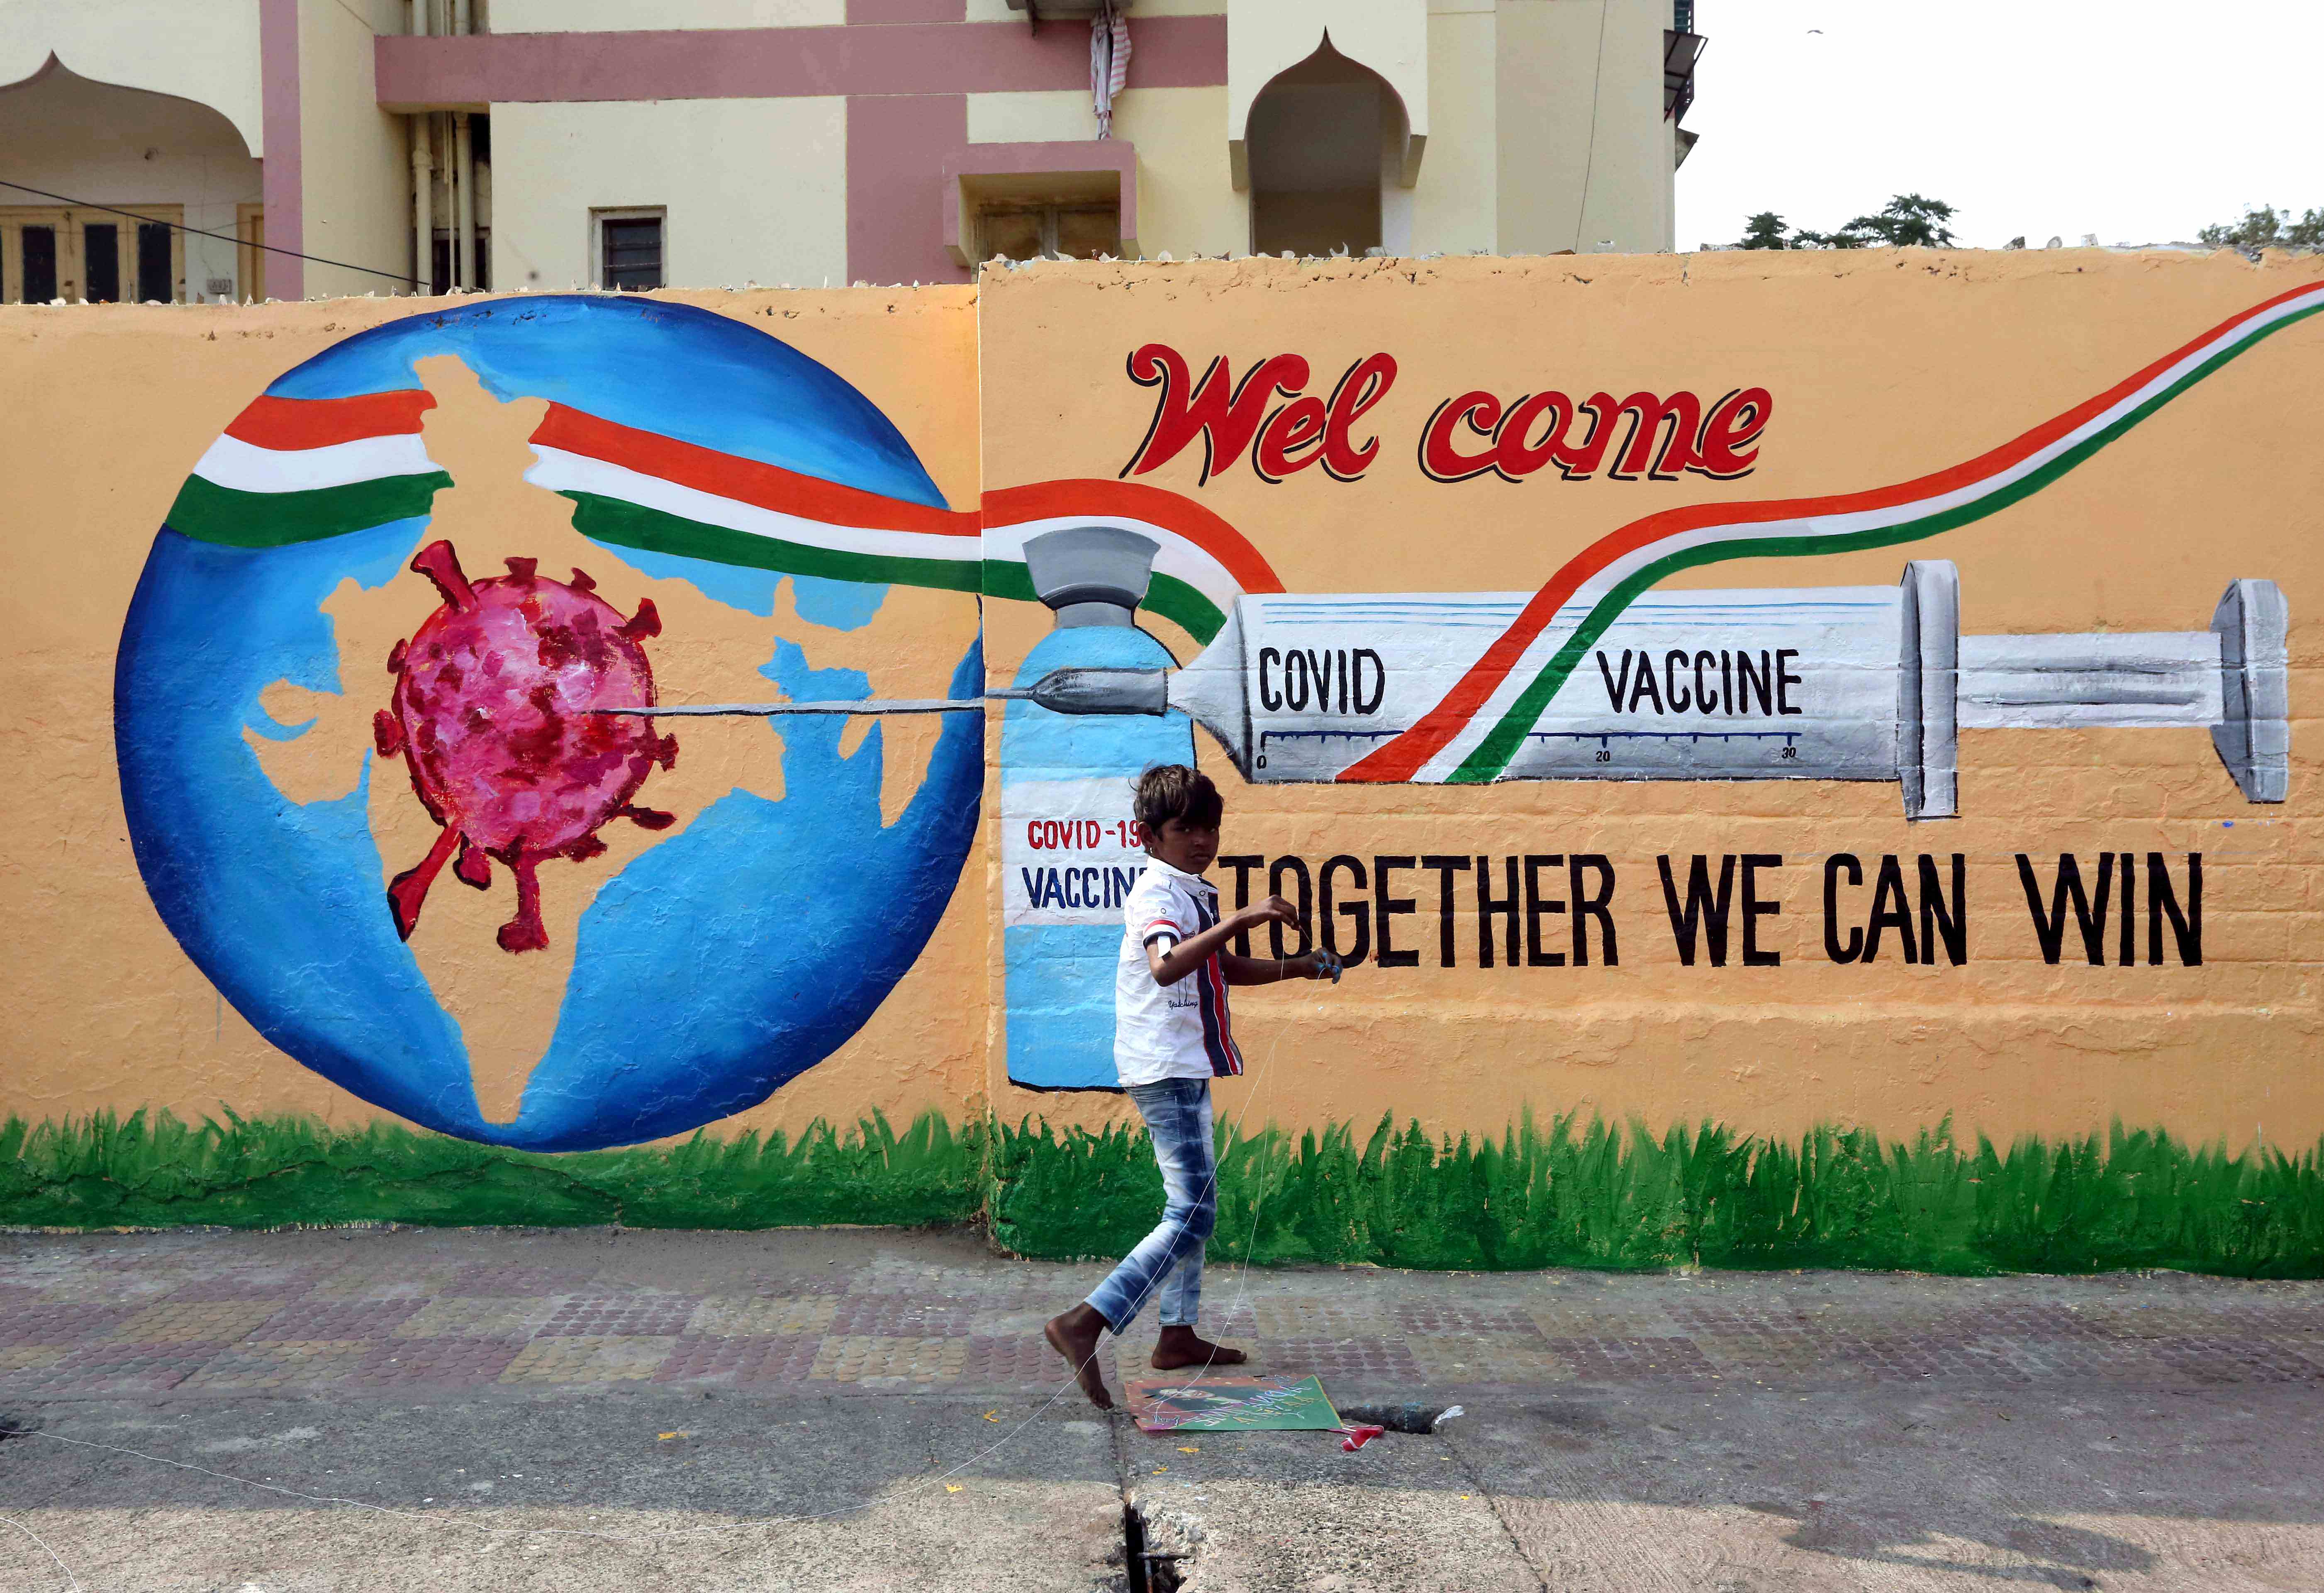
pixel 1180 1031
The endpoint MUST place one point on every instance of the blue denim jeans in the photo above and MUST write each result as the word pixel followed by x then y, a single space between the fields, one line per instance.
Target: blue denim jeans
pixel 1169 1260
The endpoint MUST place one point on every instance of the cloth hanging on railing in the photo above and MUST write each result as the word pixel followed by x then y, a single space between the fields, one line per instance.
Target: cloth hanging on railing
pixel 1109 63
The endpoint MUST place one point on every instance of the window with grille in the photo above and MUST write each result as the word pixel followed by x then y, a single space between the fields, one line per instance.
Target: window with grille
pixel 102 257
pixel 629 249
pixel 1072 231
pixel 481 272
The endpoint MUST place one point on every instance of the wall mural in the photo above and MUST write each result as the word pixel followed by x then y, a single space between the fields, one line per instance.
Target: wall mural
pixel 750 936
pixel 736 935
pixel 1600 675
pixel 724 936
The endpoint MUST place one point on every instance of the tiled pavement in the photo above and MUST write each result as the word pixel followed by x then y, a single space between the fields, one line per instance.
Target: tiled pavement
pixel 403 1312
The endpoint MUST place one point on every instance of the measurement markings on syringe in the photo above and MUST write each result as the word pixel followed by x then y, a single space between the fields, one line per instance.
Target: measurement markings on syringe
pixel 1734 685
pixel 1790 738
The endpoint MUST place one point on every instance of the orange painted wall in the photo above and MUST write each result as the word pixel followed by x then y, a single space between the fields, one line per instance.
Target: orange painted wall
pixel 1882 367
pixel 115 1016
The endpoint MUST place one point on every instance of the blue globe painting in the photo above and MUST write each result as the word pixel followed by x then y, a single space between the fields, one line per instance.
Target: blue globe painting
pixel 382 717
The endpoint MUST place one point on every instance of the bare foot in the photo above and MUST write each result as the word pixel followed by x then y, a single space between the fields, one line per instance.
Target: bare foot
pixel 1074 1336
pixel 1178 1347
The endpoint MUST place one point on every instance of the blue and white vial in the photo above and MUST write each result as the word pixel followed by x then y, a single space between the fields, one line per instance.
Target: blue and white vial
pixel 1070 847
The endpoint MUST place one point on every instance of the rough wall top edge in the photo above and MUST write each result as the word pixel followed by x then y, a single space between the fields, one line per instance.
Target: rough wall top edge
pixel 1975 264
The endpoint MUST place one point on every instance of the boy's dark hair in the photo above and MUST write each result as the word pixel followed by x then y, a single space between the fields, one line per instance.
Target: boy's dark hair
pixel 1174 791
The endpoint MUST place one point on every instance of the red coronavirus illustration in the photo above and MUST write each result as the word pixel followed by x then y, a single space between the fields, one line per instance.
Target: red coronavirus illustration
pixel 493 695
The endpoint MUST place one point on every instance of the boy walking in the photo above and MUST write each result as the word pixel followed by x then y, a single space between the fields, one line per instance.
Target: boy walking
pixel 1172 1036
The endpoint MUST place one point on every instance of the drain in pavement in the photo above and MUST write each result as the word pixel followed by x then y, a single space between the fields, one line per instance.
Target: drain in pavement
pixel 1158 1552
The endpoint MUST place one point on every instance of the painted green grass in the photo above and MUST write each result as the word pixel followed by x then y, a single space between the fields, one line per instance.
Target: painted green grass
pixel 1599 1196
pixel 1567 1195
pixel 153 1171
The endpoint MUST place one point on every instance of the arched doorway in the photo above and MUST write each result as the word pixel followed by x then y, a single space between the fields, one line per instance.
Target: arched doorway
pixel 1323 135
pixel 151 161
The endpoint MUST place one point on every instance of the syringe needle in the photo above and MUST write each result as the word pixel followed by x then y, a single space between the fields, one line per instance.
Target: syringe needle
pixel 1072 690
pixel 763 710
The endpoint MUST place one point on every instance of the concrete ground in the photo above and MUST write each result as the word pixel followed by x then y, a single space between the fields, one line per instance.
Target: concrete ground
pixel 869 1409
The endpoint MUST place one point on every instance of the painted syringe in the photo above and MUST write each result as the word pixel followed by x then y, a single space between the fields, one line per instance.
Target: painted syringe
pixel 1835 683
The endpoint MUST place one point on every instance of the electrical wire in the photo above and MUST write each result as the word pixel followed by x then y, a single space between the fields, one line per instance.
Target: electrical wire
pixel 1589 158
pixel 395 276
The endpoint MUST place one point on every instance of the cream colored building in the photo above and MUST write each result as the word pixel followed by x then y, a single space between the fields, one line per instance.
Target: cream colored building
pixel 381 146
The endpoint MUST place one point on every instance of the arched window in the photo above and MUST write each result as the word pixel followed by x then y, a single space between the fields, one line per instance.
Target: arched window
pixel 1323 135
pixel 133 167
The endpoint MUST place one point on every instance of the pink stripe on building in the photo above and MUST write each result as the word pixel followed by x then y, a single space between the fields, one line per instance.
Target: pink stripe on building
pixel 906 11
pixel 284 171
pixel 482 69
pixel 897 149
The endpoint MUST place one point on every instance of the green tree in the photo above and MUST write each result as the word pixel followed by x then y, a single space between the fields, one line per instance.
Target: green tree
pixel 2262 228
pixel 1908 219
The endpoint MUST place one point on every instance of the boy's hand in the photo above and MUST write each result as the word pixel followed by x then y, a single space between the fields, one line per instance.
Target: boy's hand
pixel 1320 964
pixel 1273 910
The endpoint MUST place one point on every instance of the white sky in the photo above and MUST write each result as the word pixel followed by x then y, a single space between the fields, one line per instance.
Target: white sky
pixel 2135 120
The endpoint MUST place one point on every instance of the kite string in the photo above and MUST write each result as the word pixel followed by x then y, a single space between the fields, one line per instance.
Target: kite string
pixel 52 1553
pixel 1258 1198
pixel 1234 1134
pixel 440 1518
